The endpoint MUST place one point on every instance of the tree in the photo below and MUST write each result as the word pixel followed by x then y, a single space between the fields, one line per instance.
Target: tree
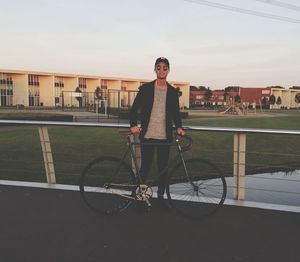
pixel 179 91
pixel 225 94
pixel 297 98
pixel 278 101
pixel 275 87
pixel 237 99
pixel 208 94
pixel 194 88
pixel 295 87
pixel 272 99
pixel 199 88
pixel 202 88
pixel 232 89
pixel 98 93
pixel 78 98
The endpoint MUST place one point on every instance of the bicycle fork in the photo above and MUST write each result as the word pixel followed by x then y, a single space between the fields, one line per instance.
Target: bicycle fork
pixel 195 187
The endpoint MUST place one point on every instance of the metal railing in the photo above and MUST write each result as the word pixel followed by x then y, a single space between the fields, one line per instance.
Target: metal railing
pixel 239 148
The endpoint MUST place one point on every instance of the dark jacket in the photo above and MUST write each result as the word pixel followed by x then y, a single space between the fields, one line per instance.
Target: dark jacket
pixel 144 102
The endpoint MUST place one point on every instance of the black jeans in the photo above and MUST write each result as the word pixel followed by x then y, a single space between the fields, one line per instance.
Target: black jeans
pixel 148 147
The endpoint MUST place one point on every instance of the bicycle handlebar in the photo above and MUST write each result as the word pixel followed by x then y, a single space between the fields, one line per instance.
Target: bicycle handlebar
pixel 189 142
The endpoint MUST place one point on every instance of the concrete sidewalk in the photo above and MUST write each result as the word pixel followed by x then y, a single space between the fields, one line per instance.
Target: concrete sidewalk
pixel 46 225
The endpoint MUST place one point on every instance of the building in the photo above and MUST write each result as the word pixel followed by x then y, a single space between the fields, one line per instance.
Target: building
pixel 285 98
pixel 198 98
pixel 40 89
pixel 273 98
pixel 255 95
pixel 282 98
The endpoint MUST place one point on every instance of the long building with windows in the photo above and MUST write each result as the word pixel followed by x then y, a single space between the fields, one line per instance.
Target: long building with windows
pixel 40 89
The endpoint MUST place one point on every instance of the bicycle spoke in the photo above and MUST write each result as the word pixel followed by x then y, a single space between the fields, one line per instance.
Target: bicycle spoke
pixel 95 185
pixel 203 192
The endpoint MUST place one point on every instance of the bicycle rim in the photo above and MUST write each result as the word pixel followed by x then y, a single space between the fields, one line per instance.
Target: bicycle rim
pixel 198 193
pixel 95 183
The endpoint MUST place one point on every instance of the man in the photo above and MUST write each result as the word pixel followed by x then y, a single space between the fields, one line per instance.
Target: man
pixel 158 103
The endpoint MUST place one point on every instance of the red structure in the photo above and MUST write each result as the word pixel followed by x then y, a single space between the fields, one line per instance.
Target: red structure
pixel 250 95
pixel 198 98
pixel 255 95
pixel 218 97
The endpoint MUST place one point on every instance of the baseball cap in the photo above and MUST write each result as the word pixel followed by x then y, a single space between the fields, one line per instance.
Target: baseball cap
pixel 163 60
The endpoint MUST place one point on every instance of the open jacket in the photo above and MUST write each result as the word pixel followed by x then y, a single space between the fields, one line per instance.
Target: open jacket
pixel 143 104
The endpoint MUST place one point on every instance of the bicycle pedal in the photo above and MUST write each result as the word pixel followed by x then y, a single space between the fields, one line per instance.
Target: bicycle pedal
pixel 148 202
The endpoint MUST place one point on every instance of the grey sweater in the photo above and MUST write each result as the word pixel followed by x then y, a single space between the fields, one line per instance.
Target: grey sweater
pixel 157 124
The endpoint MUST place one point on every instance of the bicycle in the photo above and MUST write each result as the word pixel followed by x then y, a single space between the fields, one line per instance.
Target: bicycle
pixel 195 187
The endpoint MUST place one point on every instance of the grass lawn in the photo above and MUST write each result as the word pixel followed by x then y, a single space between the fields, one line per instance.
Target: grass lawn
pixel 21 156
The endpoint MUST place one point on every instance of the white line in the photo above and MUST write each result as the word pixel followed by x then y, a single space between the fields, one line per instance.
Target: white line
pixel 39 185
pixel 229 202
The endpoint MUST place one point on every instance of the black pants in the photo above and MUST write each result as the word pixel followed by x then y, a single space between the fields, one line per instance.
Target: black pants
pixel 148 147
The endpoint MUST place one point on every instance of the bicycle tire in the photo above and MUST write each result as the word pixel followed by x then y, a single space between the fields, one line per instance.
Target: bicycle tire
pixel 199 194
pixel 97 175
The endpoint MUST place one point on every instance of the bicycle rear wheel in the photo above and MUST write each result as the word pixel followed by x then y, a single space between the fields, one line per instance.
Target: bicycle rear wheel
pixel 104 184
pixel 200 191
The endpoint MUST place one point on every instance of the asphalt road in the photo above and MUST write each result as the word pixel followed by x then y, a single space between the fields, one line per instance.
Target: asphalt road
pixel 47 225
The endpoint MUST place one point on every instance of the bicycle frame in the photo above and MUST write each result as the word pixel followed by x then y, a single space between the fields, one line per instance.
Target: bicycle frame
pixel 188 182
pixel 174 160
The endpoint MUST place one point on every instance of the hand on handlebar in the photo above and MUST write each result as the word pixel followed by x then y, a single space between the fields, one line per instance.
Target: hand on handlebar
pixel 185 140
pixel 135 129
pixel 180 132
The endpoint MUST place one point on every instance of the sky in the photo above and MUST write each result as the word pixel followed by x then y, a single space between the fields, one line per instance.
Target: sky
pixel 205 45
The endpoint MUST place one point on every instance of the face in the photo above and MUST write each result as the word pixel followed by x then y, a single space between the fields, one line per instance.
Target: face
pixel 161 70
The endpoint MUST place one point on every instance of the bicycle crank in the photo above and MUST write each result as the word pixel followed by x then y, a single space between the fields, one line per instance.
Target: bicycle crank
pixel 144 193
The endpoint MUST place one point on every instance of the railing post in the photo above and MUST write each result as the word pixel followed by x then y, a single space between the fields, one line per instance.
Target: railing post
pixel 47 154
pixel 239 157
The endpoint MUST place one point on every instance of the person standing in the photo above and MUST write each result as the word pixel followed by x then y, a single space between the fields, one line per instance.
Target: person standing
pixel 158 103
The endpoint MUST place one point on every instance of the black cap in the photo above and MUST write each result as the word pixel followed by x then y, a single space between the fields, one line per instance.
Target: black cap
pixel 163 60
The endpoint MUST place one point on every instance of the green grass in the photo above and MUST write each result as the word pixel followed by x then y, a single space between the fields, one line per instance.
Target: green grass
pixel 281 122
pixel 264 152
pixel 21 155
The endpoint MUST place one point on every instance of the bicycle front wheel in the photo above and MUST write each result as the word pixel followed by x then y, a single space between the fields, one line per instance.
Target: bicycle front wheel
pixel 107 185
pixel 196 189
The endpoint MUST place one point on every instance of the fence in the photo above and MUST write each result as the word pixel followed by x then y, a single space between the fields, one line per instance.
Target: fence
pixel 236 176
pixel 108 102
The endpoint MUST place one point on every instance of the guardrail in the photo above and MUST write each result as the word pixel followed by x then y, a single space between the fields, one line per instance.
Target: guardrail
pixel 239 145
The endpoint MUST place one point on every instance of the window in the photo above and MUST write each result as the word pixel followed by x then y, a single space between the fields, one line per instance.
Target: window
pixel 265 92
pixel 6 90
pixel 104 89
pixel 103 84
pixel 33 90
pixel 82 84
pixel 123 86
pixel 59 87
